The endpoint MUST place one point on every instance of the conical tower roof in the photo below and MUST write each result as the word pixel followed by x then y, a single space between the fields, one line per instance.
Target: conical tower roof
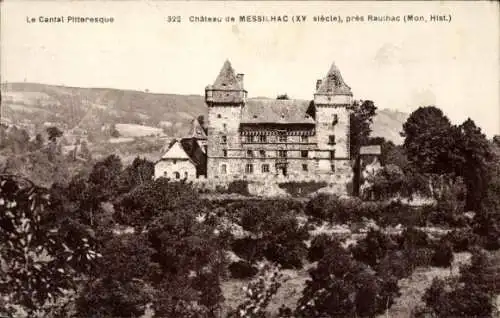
pixel 333 83
pixel 227 78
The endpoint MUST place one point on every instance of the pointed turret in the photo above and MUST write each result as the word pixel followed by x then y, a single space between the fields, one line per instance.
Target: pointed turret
pixel 227 78
pixel 227 88
pixel 333 83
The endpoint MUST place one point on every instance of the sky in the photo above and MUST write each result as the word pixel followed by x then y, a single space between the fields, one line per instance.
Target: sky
pixel 453 65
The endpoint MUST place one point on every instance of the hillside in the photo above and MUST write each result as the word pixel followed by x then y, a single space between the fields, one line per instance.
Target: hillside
pixel 93 109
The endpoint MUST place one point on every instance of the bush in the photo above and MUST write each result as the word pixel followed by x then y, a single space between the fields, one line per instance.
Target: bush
pixel 373 247
pixel 284 243
pixel 343 287
pixel 242 270
pixel 239 187
pixel 297 189
pixel 443 255
pixel 248 248
pixel 462 239
pixel 318 246
pixel 413 238
pixel 395 264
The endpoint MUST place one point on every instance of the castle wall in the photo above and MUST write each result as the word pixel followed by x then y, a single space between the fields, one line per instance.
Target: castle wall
pixel 223 122
pixel 168 168
pixel 327 145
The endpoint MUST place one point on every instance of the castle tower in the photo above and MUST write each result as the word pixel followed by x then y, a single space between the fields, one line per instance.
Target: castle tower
pixel 332 100
pixel 225 100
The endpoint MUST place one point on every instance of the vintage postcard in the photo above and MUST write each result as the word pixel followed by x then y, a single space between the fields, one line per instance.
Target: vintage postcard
pixel 249 159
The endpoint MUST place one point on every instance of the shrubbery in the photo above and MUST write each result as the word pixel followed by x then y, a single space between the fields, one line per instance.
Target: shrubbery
pixel 330 208
pixel 277 234
pixel 320 244
pixel 242 270
pixel 443 254
pixel 462 239
pixel 471 295
pixel 343 287
pixel 298 189
pixel 238 186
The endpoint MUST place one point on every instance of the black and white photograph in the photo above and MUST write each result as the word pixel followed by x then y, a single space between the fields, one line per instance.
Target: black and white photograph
pixel 249 159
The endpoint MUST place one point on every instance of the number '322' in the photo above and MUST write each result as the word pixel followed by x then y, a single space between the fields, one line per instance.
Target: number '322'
pixel 173 19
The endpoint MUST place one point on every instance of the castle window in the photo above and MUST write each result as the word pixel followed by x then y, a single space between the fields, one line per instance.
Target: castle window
pixel 223 169
pixel 224 153
pixel 224 139
pixel 262 138
pixel 332 154
pixel 174 161
pixel 332 166
pixel 331 140
pixel 304 167
pixel 219 116
pixel 185 174
pixel 304 138
pixel 250 153
pixel 282 153
pixel 265 168
pixel 262 153
pixel 177 175
pixel 283 138
pixel 224 126
pixel 304 153
pixel 249 168
pixel 335 119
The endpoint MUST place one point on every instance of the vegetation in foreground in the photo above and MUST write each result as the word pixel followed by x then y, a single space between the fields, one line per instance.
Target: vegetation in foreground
pixel 111 242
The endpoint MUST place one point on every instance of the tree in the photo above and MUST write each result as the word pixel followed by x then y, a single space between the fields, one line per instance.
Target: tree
pixel 361 120
pixel 54 133
pixel 41 253
pixel 343 287
pixel 119 286
pixel 429 140
pixel 472 163
pixel 104 175
pixel 139 172
pixel 283 96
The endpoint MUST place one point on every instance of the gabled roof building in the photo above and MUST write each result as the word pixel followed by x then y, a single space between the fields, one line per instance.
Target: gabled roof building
pixel 184 158
pixel 267 138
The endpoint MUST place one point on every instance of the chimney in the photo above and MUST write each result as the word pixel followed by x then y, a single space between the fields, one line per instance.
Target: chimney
pixel 239 77
pixel 318 84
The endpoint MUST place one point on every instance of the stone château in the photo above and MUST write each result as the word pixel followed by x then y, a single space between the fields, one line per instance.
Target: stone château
pixel 259 138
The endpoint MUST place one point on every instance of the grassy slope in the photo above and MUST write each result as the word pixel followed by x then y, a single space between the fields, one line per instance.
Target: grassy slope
pixel 90 108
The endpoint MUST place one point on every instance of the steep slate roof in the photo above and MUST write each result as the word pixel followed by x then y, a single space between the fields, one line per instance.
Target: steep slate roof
pixel 193 150
pixel 262 110
pixel 185 149
pixel 227 78
pixel 197 131
pixel 176 151
pixel 333 83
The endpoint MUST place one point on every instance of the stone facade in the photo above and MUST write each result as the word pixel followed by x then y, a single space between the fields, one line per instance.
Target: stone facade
pixel 265 139
pixel 175 169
